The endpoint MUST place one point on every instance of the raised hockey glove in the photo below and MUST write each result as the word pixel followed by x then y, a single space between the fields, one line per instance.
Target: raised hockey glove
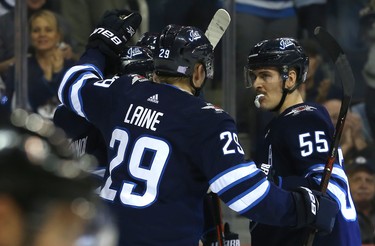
pixel 113 31
pixel 315 209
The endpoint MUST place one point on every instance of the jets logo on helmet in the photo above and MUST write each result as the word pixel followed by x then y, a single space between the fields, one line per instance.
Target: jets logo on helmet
pixel 194 35
pixel 284 43
pixel 133 51
pixel 137 59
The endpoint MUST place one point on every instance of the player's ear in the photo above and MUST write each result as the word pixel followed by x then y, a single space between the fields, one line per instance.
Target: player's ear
pixel 199 75
pixel 155 78
pixel 292 79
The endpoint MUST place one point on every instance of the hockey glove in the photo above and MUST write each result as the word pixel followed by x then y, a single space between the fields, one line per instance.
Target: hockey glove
pixel 113 31
pixel 315 209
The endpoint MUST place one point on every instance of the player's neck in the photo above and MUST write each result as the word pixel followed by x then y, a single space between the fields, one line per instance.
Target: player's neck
pixel 291 99
pixel 182 85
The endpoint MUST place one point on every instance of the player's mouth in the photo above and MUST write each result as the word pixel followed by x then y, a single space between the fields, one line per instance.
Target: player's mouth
pixel 258 99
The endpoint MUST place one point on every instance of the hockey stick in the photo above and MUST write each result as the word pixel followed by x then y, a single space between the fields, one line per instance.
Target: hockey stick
pixel 217 27
pixel 345 73
pixel 215 31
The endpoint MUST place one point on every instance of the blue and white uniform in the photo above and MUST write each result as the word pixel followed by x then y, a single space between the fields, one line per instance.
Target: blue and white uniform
pixel 165 149
pixel 295 148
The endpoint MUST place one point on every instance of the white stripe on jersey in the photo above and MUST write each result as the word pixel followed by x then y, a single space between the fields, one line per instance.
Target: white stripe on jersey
pixel 229 177
pixel 75 93
pixel 340 194
pixel 250 198
pixel 73 70
pixel 336 170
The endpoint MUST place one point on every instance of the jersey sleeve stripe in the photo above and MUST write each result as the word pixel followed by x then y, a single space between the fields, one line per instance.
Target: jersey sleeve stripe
pixel 227 178
pixel 250 198
pixel 75 93
pixel 336 170
pixel 71 72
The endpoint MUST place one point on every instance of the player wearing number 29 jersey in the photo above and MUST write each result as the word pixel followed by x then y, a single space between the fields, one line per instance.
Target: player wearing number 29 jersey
pixel 167 147
pixel 296 142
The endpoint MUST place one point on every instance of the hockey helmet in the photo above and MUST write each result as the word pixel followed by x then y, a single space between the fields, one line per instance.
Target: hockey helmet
pixel 148 39
pixel 179 48
pixel 281 53
pixel 138 60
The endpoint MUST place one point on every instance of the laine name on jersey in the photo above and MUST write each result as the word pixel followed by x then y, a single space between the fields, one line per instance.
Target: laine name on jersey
pixel 143 117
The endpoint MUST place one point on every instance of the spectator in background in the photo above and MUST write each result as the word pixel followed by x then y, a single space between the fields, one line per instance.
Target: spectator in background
pixel 46 64
pixel 353 141
pixel 7 37
pixel 369 107
pixel 319 85
pixel 368 24
pixel 361 176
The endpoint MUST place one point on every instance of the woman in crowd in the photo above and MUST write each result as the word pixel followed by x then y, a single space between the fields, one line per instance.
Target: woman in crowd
pixel 46 64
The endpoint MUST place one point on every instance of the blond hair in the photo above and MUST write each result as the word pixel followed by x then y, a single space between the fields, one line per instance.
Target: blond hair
pixel 50 17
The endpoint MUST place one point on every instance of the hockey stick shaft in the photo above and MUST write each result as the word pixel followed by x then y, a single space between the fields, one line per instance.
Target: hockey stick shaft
pixel 218 219
pixel 345 73
pixel 215 31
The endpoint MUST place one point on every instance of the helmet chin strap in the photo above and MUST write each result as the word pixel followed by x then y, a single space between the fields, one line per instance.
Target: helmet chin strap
pixel 197 90
pixel 285 93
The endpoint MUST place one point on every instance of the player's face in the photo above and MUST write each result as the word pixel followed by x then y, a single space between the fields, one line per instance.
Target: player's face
pixel 362 186
pixel 267 81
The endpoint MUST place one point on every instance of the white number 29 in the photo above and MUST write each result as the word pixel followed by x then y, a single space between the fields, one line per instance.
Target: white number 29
pixel 150 175
pixel 229 136
pixel 308 143
pixel 164 53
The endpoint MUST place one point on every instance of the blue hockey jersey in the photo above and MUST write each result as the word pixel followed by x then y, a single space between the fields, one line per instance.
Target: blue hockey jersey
pixel 296 143
pixel 165 149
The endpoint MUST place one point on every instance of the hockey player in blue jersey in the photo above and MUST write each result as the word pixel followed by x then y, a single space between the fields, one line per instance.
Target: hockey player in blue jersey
pixel 166 146
pixel 85 137
pixel 296 142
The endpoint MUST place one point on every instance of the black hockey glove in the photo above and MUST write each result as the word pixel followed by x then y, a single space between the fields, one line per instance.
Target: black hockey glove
pixel 113 31
pixel 315 209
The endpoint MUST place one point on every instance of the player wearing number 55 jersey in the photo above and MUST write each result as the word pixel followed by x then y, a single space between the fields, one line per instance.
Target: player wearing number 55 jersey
pixel 167 147
pixel 296 142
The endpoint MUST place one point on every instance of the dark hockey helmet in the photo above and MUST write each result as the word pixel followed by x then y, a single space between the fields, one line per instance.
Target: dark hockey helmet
pixel 148 39
pixel 179 48
pixel 137 60
pixel 281 53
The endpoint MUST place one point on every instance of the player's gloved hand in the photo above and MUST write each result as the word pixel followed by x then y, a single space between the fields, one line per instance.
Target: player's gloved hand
pixel 113 31
pixel 315 209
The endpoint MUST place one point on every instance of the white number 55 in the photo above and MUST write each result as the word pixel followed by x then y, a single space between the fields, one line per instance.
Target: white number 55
pixel 308 143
